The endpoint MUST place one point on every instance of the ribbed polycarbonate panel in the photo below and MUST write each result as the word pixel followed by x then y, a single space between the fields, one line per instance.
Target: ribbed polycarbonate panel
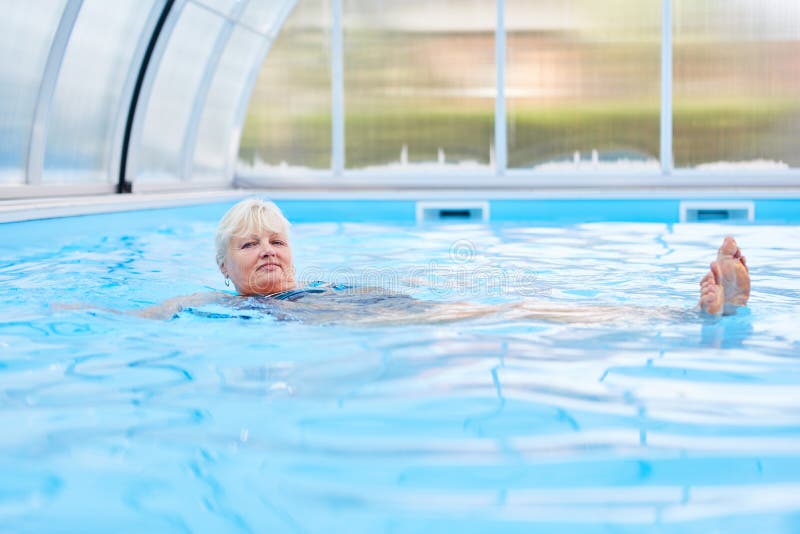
pixel 216 131
pixel 158 158
pixel 224 7
pixel 262 14
pixel 736 84
pixel 26 33
pixel 289 118
pixel 88 101
pixel 583 84
pixel 419 82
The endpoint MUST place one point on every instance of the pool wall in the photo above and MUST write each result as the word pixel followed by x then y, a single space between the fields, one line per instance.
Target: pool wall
pixel 554 210
pixel 564 206
pixel 38 224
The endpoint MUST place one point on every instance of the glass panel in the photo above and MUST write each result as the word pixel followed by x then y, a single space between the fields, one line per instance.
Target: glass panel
pixel 289 119
pixel 583 84
pixel 26 33
pixel 88 95
pixel 736 84
pixel 172 98
pixel 419 81
pixel 223 6
pixel 262 15
pixel 217 127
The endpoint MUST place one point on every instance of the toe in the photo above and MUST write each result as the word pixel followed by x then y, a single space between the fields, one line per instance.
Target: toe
pixel 728 249
pixel 716 270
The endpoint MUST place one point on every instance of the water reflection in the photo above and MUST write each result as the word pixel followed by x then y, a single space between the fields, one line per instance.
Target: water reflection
pixel 727 332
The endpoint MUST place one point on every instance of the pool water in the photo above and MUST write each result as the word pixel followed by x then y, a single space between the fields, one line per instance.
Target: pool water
pixel 671 421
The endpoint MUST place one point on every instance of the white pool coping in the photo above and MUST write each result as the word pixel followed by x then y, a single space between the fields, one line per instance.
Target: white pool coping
pixel 47 208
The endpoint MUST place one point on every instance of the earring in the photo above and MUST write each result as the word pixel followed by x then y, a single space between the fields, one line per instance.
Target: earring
pixel 227 281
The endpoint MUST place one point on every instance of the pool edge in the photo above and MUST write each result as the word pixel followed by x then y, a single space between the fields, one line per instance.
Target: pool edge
pixel 29 209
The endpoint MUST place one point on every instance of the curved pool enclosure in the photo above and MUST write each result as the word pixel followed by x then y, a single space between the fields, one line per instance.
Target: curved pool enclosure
pixel 585 157
pixel 137 96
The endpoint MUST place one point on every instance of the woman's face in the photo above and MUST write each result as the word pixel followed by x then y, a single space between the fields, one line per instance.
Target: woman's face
pixel 260 263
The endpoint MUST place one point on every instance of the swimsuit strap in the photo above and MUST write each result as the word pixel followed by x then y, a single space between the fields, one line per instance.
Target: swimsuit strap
pixel 288 294
pixel 312 287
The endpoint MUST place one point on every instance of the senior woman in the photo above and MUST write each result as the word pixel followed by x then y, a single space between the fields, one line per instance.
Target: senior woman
pixel 253 250
pixel 254 254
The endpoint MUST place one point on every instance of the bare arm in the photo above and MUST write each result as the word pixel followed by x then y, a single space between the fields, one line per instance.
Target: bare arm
pixel 163 311
pixel 170 307
pixel 571 313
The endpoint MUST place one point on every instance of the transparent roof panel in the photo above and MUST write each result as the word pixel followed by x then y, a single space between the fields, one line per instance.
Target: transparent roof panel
pixel 736 84
pixel 262 15
pixel 583 84
pixel 87 103
pixel 289 117
pixel 26 34
pixel 225 7
pixel 419 82
pixel 173 94
pixel 218 132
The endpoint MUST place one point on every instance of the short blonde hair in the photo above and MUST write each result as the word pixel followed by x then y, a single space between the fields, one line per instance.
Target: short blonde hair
pixel 248 216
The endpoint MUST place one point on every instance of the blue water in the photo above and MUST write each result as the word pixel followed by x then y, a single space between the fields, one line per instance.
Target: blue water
pixel 664 421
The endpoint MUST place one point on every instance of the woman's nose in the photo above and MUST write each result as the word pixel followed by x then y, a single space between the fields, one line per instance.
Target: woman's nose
pixel 267 249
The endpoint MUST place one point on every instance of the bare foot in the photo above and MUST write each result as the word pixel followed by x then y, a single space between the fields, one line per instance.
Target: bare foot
pixel 735 275
pixel 712 294
pixel 727 283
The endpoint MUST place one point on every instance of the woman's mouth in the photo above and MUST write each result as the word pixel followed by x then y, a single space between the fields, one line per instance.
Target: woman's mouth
pixel 269 267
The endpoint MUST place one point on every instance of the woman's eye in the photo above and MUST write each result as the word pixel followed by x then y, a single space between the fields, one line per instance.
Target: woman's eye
pixel 278 243
pixel 249 244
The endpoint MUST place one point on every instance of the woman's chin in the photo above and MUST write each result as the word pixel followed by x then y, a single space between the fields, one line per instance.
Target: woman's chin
pixel 270 282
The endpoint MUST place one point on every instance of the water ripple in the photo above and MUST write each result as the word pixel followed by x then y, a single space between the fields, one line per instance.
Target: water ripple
pixel 651 417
